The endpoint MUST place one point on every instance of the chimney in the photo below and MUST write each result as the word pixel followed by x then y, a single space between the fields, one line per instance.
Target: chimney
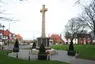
pixel 60 36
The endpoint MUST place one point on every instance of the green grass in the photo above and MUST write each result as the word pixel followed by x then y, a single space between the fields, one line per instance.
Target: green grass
pixel 84 51
pixel 4 59
pixel 60 47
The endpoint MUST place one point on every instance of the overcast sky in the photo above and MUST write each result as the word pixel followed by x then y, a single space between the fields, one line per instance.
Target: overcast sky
pixel 28 12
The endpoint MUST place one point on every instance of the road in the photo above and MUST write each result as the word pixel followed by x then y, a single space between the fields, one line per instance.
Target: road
pixel 10 47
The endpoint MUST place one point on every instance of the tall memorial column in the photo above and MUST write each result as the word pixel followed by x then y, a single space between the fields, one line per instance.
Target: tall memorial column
pixel 43 10
pixel 43 39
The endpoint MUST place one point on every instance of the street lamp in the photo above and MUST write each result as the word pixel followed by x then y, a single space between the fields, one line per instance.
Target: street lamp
pixel 3 30
pixel 8 37
pixel 2 26
pixel 3 33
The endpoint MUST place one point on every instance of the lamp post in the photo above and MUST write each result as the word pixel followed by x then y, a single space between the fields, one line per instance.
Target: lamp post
pixel 3 33
pixel 8 37
pixel 2 26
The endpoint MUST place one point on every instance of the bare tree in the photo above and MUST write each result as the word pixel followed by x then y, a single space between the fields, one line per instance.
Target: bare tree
pixel 4 18
pixel 74 26
pixel 88 16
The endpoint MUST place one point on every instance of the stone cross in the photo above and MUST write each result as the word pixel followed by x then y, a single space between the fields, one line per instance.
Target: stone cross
pixel 43 10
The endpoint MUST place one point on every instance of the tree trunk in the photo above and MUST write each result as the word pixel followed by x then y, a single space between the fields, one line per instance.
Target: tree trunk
pixel 94 31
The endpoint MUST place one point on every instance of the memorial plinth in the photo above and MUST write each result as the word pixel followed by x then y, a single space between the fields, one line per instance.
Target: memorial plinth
pixel 45 41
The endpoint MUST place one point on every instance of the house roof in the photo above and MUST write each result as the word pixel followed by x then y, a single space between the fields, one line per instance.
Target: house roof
pixel 5 32
pixel 56 37
pixel 18 36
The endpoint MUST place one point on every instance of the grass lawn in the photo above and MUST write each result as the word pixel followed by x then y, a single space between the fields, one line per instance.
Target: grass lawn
pixel 84 51
pixel 4 59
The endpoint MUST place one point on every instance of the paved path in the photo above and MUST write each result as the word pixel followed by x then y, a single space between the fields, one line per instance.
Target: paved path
pixel 61 56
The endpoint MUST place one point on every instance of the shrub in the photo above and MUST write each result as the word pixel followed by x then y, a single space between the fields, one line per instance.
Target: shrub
pixel 71 46
pixel 16 46
pixel 34 45
pixel 71 51
pixel 42 53
pixel 42 48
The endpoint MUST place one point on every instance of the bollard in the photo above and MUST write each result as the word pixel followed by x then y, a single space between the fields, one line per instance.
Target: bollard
pixel 17 55
pixel 29 57
pixel 48 57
